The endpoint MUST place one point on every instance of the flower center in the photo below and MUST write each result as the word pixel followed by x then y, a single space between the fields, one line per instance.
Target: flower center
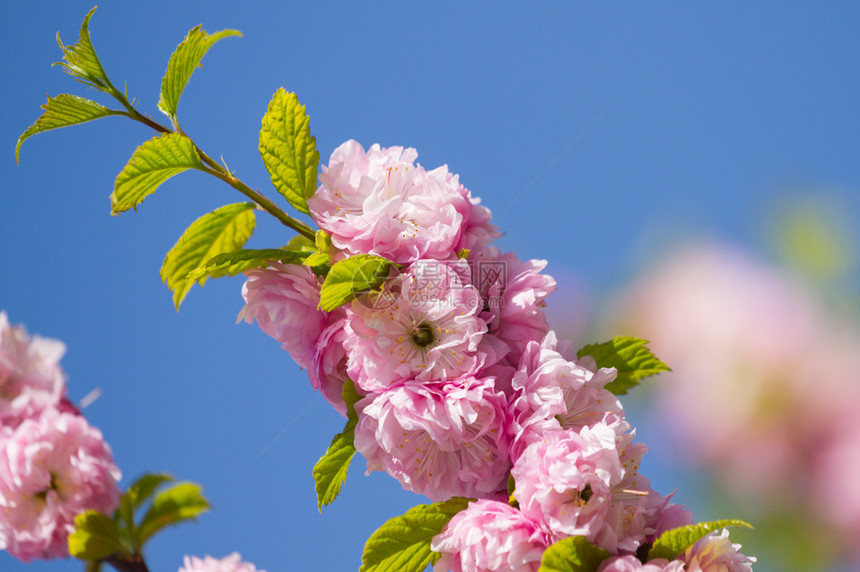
pixel 422 335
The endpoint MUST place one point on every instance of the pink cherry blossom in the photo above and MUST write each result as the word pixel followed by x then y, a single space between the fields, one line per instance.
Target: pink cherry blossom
pixel 551 393
pixel 328 366
pixel 283 298
pixel 438 439
pixel 514 294
pixel 30 375
pixel 716 553
pixel 423 326
pixel 632 564
pixel 587 484
pixel 231 563
pixel 490 536
pixel 381 202
pixel 51 469
pixel 663 515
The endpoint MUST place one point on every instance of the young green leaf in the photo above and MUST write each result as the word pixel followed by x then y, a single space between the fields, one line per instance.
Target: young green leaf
pixel 223 230
pixel 301 243
pixel 321 256
pixel 572 554
pixel 182 64
pixel 80 59
pixel 673 542
pixel 144 487
pixel 350 277
pixel 177 504
pixel 350 396
pixel 331 470
pixel 152 164
pixel 62 111
pixel 289 150
pixel 95 537
pixel 232 263
pixel 629 356
pixel 403 543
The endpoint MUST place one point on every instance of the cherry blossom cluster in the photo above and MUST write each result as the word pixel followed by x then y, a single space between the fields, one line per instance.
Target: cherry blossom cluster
pixel 53 464
pixel 465 390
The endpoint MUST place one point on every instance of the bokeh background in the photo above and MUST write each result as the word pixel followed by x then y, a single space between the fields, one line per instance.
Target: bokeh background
pixel 601 136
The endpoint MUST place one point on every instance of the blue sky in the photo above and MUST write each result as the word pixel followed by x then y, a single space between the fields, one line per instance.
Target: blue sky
pixel 593 132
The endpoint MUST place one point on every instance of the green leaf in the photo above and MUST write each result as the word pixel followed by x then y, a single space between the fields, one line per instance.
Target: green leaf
pixel 289 150
pixel 629 356
pixel 350 396
pixel 144 487
pixel 673 542
pixel 172 506
pixel 95 537
pixel 93 566
pixel 330 471
pixel 301 243
pixel 350 277
pixel 80 59
pixel 572 554
pixel 182 64
pixel 62 111
pixel 233 263
pixel 403 543
pixel 223 230
pixel 320 257
pixel 152 164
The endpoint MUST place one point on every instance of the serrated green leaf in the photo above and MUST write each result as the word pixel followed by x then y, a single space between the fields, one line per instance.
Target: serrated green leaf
pixel 95 537
pixel 80 59
pixel 331 470
pixel 350 396
pixel 182 64
pixel 225 229
pixel 300 243
pixel 62 111
pixel 350 277
pixel 629 356
pixel 322 242
pixel 572 554
pixel 403 543
pixel 152 164
pixel 233 263
pixel 177 504
pixel 144 487
pixel 673 542
pixel 289 150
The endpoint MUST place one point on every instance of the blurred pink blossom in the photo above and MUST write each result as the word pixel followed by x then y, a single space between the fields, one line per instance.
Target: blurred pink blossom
pixel 30 376
pixel 52 468
pixel 632 564
pixel 231 563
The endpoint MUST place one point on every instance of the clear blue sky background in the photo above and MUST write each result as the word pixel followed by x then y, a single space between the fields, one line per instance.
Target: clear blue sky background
pixel 584 128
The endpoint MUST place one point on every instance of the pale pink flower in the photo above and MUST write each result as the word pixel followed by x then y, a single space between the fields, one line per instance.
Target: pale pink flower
pixel 716 553
pixel 30 376
pixel 283 298
pixel 632 564
pixel 231 563
pixel 513 294
pixel 552 392
pixel 663 515
pixel 586 484
pixel 381 202
pixel 490 536
pixel 438 439
pixel 328 366
pixel 52 469
pixel 423 326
